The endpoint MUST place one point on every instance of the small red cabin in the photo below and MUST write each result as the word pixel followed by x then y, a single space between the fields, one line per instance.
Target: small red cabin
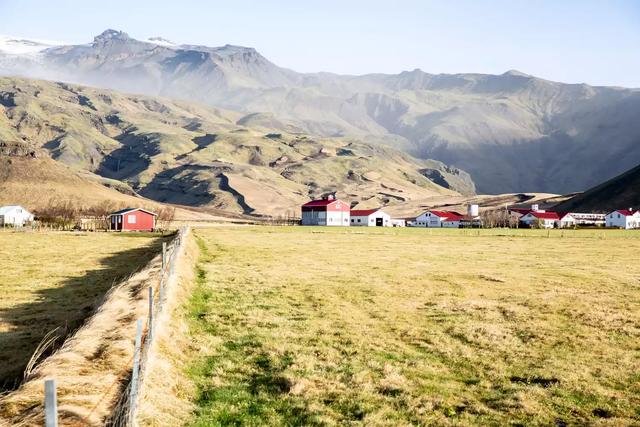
pixel 132 219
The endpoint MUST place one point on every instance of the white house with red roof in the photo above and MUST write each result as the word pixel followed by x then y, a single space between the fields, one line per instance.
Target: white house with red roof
pixel 566 220
pixel 625 218
pixel 328 211
pixel 540 219
pixel 370 218
pixel 439 219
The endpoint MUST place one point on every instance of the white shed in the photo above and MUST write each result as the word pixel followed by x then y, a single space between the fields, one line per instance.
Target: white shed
pixel 625 218
pixel 370 218
pixel 16 216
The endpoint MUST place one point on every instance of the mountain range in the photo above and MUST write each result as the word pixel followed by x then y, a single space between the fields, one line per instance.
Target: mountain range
pixel 511 132
pixel 188 154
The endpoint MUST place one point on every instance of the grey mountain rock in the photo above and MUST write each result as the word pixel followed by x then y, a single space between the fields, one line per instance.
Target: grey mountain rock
pixel 512 132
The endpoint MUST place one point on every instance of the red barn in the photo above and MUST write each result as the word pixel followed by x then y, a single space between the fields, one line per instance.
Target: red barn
pixel 329 211
pixel 132 219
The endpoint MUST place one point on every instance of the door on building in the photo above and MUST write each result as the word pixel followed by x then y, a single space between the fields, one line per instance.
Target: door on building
pixel 379 222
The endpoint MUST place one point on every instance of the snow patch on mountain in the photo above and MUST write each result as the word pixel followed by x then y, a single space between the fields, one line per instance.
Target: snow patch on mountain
pixel 23 46
pixel 161 41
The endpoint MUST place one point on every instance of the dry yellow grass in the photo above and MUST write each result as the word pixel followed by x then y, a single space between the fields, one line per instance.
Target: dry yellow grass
pixel 166 396
pixel 55 280
pixel 94 362
pixel 317 326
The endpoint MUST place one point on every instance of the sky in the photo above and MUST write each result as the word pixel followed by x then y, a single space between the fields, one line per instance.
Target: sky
pixel 573 41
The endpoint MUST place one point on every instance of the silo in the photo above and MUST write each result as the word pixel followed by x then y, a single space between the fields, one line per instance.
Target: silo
pixel 473 210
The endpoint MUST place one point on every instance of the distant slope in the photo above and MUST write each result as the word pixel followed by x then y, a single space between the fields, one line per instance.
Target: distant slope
pixel 621 192
pixel 512 132
pixel 182 153
pixel 37 182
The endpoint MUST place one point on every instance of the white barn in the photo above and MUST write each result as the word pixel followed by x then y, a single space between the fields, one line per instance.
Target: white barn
pixel 444 219
pixel 370 218
pixel 625 218
pixel 16 216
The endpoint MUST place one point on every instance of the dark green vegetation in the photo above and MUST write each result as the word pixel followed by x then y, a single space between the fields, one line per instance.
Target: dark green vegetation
pixel 306 326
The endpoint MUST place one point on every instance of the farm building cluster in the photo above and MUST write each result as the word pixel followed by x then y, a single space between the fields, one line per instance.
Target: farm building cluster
pixel 130 219
pixel 331 211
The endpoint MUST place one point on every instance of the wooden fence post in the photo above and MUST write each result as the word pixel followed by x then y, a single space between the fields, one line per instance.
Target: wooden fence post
pixel 150 330
pixel 164 255
pixel 133 392
pixel 50 404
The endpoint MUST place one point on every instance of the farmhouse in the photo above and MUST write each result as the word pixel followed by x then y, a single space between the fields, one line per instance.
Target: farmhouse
pixel 328 211
pixel 540 219
pixel 370 218
pixel 444 219
pixel 15 216
pixel 132 219
pixel 625 218
pixel 565 220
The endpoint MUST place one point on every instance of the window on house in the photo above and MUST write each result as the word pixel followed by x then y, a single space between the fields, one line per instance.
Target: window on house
pixel 359 220
pixel 131 219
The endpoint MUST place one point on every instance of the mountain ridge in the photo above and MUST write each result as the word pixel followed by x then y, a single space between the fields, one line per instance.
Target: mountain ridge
pixel 512 132
pixel 188 154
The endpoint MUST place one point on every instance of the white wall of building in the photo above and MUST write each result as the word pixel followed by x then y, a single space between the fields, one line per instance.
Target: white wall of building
pixel 370 220
pixel 15 216
pixel 566 221
pixel 428 219
pixel 531 220
pixel 618 220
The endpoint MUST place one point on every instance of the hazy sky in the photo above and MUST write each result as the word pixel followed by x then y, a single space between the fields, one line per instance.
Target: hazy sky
pixel 596 42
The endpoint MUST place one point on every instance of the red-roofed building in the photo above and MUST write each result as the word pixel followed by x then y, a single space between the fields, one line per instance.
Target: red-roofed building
pixel 439 219
pixel 623 218
pixel 370 218
pixel 328 211
pixel 540 219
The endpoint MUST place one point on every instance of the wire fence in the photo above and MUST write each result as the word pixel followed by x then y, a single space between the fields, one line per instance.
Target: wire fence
pixel 124 411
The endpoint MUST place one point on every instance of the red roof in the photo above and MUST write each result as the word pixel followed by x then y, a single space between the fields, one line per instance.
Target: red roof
pixel 544 215
pixel 626 212
pixel 447 215
pixel 522 211
pixel 363 212
pixel 323 202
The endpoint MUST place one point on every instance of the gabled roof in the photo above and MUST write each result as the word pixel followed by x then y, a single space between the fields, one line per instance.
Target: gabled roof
pixel 561 215
pixel 625 212
pixel 127 210
pixel 544 215
pixel 363 212
pixel 6 209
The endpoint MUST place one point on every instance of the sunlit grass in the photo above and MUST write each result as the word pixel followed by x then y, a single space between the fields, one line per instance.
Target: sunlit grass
pixel 54 280
pixel 319 326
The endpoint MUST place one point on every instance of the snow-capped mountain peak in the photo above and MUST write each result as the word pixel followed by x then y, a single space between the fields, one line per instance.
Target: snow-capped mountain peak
pixel 23 46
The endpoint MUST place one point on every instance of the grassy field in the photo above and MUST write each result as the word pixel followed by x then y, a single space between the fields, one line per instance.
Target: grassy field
pixel 54 280
pixel 317 326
